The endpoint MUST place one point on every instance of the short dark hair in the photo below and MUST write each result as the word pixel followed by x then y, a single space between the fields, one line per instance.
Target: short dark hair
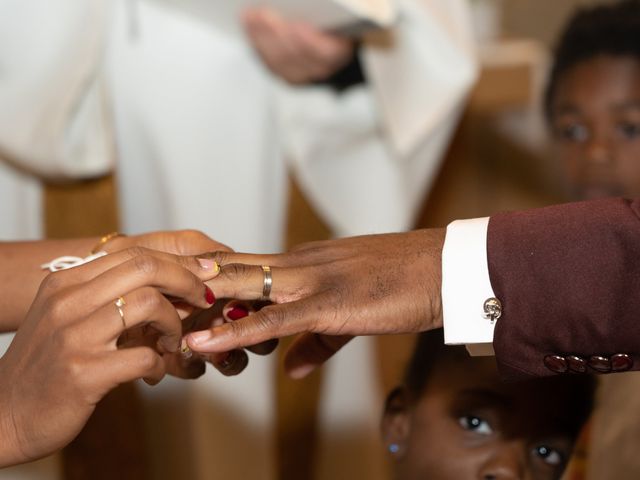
pixel 431 353
pixel 611 29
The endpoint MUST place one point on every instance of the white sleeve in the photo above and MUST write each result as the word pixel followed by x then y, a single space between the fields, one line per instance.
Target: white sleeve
pixel 377 147
pixel 466 286
pixel 54 119
pixel 421 70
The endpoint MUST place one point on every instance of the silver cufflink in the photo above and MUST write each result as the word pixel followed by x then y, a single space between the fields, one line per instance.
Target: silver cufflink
pixel 492 309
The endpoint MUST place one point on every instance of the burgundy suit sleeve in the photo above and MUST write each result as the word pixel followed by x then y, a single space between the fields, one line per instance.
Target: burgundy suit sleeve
pixel 568 278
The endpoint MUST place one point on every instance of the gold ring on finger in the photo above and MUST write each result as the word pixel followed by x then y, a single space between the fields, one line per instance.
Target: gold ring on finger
pixel 119 304
pixel 267 282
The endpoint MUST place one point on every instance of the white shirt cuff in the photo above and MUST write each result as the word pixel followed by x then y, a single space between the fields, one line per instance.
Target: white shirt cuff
pixel 466 286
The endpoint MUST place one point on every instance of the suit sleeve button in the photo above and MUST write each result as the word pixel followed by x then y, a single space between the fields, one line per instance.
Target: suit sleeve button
pixel 556 363
pixel 577 364
pixel 621 362
pixel 600 364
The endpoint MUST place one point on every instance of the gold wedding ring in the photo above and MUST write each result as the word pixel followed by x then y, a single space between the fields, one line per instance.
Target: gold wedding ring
pixel 267 281
pixel 119 304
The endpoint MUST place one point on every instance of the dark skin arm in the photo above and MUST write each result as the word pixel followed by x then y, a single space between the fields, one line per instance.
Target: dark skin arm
pixel 65 357
pixel 21 274
pixel 327 292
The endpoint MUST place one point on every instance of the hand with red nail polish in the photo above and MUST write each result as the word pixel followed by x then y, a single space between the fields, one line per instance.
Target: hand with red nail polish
pixel 185 243
pixel 181 242
pixel 89 329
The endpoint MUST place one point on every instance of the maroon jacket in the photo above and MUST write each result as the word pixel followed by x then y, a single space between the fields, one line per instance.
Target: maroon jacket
pixel 568 278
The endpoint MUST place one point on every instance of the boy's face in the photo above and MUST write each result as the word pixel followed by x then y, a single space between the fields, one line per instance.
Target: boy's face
pixel 467 425
pixel 595 116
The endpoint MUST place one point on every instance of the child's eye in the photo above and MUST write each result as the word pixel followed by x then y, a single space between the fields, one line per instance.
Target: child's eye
pixel 573 132
pixel 549 455
pixel 629 131
pixel 475 424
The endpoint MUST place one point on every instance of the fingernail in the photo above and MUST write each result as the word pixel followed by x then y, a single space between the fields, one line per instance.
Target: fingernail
pixel 198 338
pixel 209 296
pixel 185 351
pixel 209 264
pixel 237 312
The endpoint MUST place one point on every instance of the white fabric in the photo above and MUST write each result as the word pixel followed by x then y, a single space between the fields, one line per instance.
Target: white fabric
pixel 53 120
pixel 67 261
pixel 465 283
pixel 202 131
pixel 20 204
pixel 365 159
pixel 337 14
pixel 434 38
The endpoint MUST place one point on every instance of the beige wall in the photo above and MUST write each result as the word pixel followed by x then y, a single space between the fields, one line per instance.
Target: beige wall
pixel 540 19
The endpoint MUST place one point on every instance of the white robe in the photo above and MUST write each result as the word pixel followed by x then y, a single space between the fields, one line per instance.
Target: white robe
pixel 204 135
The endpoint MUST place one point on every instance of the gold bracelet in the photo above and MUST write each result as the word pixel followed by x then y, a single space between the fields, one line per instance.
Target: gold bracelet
pixel 104 240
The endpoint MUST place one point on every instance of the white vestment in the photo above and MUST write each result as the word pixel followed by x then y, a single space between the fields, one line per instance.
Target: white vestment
pixel 204 136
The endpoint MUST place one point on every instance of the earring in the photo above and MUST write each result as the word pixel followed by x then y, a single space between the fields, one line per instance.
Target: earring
pixel 394 448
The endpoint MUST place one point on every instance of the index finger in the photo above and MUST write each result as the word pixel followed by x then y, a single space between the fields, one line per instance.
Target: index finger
pixel 274 321
pixel 167 277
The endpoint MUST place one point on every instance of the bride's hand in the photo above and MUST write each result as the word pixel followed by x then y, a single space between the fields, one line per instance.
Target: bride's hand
pixel 65 358
pixel 193 242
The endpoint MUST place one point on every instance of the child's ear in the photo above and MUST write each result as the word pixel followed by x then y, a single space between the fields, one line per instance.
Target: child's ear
pixel 395 422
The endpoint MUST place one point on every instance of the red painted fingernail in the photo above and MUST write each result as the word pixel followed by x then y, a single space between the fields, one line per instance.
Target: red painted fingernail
pixel 237 313
pixel 209 296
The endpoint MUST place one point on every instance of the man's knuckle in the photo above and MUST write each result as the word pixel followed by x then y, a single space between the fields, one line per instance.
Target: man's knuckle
pixel 270 318
pixel 238 329
pixel 219 256
pixel 236 272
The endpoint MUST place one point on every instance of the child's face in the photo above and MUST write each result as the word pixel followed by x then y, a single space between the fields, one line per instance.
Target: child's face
pixel 595 118
pixel 467 426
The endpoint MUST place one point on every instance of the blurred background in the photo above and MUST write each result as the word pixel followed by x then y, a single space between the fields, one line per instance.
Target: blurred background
pixel 497 158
